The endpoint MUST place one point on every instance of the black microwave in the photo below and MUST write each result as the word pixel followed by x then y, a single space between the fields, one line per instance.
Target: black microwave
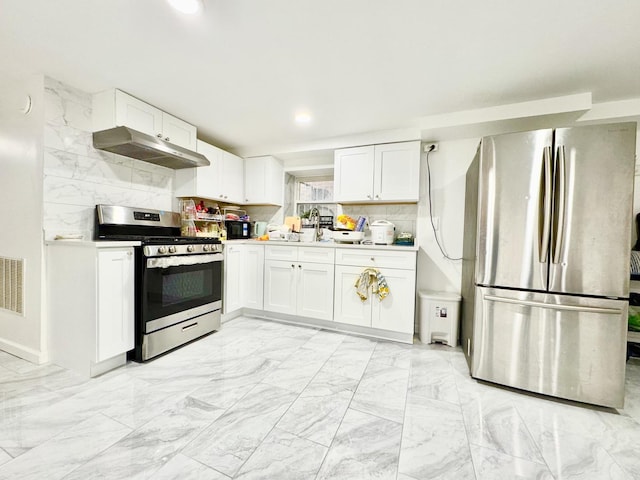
pixel 237 229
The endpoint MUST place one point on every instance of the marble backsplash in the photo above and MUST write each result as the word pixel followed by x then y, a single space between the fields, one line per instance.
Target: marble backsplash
pixel 403 216
pixel 77 176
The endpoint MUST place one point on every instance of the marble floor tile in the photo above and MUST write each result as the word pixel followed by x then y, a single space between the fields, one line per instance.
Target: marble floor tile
pixel 392 354
pixel 67 451
pixel 324 340
pixel 24 433
pixel 576 456
pixel 229 441
pixel 497 425
pixel 144 451
pixel 318 411
pixel 4 457
pixel 382 392
pixel 434 442
pixel 18 404
pixel 181 467
pixel 266 399
pixel 365 447
pixel 298 369
pixel 492 465
pixel 284 456
pixel 621 441
pixel 351 358
pixel 229 385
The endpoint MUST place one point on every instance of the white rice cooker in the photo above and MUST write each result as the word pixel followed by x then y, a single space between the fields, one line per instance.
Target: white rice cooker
pixel 382 232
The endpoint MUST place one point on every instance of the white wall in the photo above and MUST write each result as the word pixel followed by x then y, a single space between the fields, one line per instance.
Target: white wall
pixel 448 169
pixel 21 209
pixel 77 176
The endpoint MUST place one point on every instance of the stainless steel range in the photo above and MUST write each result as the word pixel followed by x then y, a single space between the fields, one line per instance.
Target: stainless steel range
pixel 178 279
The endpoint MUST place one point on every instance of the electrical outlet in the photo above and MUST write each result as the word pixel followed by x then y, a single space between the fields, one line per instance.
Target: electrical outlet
pixel 427 147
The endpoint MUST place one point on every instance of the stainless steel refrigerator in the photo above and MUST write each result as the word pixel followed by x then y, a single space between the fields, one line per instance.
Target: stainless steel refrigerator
pixel 545 276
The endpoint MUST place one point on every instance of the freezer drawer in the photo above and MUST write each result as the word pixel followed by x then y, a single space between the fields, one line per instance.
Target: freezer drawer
pixel 559 345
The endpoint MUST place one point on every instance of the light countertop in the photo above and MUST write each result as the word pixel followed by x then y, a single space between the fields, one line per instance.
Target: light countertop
pixel 403 248
pixel 93 244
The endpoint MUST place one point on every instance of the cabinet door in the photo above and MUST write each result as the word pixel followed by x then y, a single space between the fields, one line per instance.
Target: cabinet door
pixel 115 329
pixel 232 278
pixel 315 290
pixel 178 132
pixel 396 312
pixel 397 172
pixel 280 286
pixel 353 174
pixel 209 179
pixel 138 115
pixel 263 181
pixel 255 180
pixel 253 271
pixel 348 308
pixel 232 178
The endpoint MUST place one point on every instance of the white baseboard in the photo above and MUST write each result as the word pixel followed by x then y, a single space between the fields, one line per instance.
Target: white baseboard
pixel 23 352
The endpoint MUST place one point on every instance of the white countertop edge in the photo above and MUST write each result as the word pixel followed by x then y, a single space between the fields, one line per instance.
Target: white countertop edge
pixel 402 248
pixel 93 244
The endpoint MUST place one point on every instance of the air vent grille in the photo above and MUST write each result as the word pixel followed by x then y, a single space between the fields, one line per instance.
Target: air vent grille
pixel 12 284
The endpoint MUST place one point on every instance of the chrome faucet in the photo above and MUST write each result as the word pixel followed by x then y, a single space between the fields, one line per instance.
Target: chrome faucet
pixel 314 219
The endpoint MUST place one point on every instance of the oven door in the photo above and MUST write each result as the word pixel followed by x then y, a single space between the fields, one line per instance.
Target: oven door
pixel 178 288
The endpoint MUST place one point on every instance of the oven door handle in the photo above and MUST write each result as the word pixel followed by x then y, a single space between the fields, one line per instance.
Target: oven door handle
pixel 176 261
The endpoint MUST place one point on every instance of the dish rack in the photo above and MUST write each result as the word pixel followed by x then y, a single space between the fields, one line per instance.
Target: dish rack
pixel 242 214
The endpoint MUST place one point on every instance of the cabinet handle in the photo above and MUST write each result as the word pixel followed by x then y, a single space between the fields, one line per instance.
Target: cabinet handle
pixel 373 259
pixel 369 197
pixel 299 266
pixel 159 135
pixel 129 254
pixel 166 138
pixel 246 199
pixel 293 266
pixel 377 196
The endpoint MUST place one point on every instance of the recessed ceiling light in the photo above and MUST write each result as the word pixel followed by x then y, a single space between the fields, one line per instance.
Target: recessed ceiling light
pixel 189 7
pixel 303 118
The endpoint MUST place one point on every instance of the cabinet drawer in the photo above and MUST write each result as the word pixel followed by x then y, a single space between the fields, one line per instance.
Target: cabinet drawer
pixel 376 258
pixel 281 252
pixel 315 254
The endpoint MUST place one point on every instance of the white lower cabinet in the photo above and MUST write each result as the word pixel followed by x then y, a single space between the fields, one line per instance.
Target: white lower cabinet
pixel 318 283
pixel 394 313
pixel 243 277
pixel 253 271
pixel 299 288
pixel 90 291
pixel 115 302
pixel 299 281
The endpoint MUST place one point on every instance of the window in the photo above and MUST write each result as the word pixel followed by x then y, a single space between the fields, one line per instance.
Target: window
pixel 314 192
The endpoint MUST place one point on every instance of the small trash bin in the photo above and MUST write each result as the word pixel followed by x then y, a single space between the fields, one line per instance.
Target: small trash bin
pixel 439 317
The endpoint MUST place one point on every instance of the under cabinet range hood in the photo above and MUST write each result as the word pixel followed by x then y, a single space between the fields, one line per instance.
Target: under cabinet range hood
pixel 138 145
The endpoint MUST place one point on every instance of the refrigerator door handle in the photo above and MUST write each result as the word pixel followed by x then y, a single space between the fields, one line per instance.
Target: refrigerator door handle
pixel 546 204
pixel 561 206
pixel 574 308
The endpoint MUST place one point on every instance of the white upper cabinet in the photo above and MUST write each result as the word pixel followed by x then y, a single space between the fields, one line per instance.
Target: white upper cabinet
pixel 222 180
pixel 232 188
pixel 378 173
pixel 263 181
pixel 113 108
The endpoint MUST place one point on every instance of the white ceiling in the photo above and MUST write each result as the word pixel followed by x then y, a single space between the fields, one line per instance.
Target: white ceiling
pixel 242 69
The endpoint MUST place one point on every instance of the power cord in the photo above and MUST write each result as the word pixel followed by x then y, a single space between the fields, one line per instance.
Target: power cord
pixel 433 226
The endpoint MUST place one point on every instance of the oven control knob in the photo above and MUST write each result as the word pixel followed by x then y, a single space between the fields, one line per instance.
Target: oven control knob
pixel 206 248
pixel 162 249
pixel 172 249
pixel 189 248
